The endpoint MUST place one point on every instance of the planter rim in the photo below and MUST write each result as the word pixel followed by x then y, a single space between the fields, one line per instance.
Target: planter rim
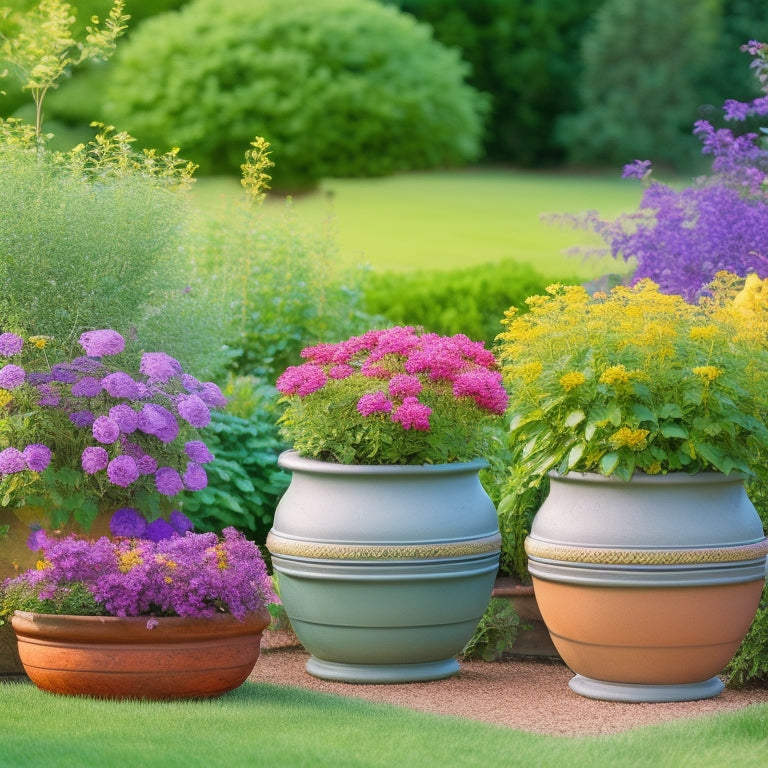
pixel 291 460
pixel 639 478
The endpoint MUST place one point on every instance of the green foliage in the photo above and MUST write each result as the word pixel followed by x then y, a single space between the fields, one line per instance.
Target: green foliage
pixel 244 481
pixel 338 87
pixel 76 600
pixel 40 48
pixel 521 54
pixel 279 286
pixel 645 63
pixel 470 300
pixel 496 633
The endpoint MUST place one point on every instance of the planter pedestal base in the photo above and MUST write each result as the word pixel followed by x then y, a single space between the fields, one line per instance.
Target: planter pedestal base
pixel 607 691
pixel 381 673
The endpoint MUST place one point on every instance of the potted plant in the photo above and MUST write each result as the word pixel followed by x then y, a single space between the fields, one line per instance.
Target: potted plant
pixel 88 427
pixel 141 614
pixel 644 413
pixel 385 543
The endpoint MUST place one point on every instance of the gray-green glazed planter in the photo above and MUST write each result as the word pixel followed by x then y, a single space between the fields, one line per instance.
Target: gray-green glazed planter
pixel 384 571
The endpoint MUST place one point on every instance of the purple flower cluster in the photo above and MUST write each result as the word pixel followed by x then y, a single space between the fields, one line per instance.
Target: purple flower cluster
pixel 680 238
pixel 180 574
pixel 123 432
pixel 404 369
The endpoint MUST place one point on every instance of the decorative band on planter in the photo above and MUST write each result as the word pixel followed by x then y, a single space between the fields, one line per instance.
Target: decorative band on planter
pixel 647 587
pixel 384 571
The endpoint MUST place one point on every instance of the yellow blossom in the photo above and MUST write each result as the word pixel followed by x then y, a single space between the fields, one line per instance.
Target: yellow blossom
pixel 571 380
pixel 39 341
pixel 616 374
pixel 128 560
pixel 221 557
pixel 41 565
pixel 634 439
pixel 5 398
pixel 653 469
pixel 703 333
pixel 707 372
pixel 527 372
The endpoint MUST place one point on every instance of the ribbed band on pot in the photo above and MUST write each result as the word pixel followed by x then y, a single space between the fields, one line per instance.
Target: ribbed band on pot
pixel 289 547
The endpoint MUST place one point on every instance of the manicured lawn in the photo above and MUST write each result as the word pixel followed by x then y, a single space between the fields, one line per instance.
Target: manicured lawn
pixel 444 220
pixel 283 727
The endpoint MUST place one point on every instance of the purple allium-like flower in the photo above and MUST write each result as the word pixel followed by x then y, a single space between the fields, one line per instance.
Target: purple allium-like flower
pixel 86 365
pixel 402 385
pixel 193 410
pixel 102 343
pixel 12 460
pixel 12 376
pixel 88 386
pixel 122 471
pixel 211 395
pixel 125 418
pixel 198 451
pixel 195 477
pixel 82 418
pixel 168 481
pixel 413 415
pixel 105 430
pixel 301 380
pixel 637 169
pixel 94 459
pixel 10 344
pixel 159 530
pixel 157 366
pixel 49 395
pixel 128 522
pixel 373 402
pixel 180 522
pixel 37 456
pixel 120 384
pixel 158 421
pixel 147 464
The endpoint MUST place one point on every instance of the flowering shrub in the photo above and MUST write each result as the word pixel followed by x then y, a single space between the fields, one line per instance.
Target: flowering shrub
pixel 680 238
pixel 394 396
pixel 79 433
pixel 634 380
pixel 195 574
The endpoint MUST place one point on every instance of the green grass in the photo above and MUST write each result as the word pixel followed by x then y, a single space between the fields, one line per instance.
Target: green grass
pixel 444 220
pixel 275 726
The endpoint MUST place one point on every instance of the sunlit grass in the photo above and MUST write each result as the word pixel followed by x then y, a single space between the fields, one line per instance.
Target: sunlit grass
pixel 445 220
pixel 286 727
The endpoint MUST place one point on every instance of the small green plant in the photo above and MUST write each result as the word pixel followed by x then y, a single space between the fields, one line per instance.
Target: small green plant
pixel 40 48
pixel 496 633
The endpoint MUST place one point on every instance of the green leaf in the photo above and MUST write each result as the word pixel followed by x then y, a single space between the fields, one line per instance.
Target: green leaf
pixel 674 430
pixel 671 411
pixel 589 430
pixel 614 414
pixel 642 413
pixel 609 462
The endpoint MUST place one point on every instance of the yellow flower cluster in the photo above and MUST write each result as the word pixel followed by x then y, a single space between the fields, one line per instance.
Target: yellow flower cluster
pixel 5 398
pixel 571 380
pixel 616 374
pixel 707 372
pixel 128 560
pixel 221 557
pixel 634 439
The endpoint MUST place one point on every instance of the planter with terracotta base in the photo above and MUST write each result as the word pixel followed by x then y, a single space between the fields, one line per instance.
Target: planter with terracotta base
pixel 120 658
pixel 647 587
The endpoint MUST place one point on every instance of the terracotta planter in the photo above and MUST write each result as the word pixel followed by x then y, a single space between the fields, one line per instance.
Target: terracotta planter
pixel 119 658
pixel 533 636
pixel 647 587
pixel 384 571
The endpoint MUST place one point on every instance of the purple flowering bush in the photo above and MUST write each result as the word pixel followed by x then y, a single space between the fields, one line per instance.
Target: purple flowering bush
pixel 92 427
pixel 190 574
pixel 393 396
pixel 681 238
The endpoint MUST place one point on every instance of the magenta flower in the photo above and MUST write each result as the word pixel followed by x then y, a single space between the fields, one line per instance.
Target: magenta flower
pixel 168 481
pixel 340 371
pixel 157 366
pixel 301 380
pixel 10 344
pixel 12 376
pixel 94 459
pixel 486 388
pixel 37 457
pixel 402 385
pixel 102 343
pixel 12 460
pixel 412 414
pixel 193 410
pixel 122 471
pixel 373 402
pixel 105 430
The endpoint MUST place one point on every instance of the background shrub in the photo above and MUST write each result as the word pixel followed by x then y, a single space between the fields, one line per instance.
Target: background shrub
pixel 471 300
pixel 338 87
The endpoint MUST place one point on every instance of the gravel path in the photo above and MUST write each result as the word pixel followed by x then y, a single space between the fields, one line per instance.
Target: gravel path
pixel 524 693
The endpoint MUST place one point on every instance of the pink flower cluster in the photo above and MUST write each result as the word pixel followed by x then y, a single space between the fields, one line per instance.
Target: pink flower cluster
pixel 402 365
pixel 180 574
pixel 133 427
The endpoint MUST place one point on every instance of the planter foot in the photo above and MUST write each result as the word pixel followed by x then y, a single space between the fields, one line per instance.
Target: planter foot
pixel 381 673
pixel 607 691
